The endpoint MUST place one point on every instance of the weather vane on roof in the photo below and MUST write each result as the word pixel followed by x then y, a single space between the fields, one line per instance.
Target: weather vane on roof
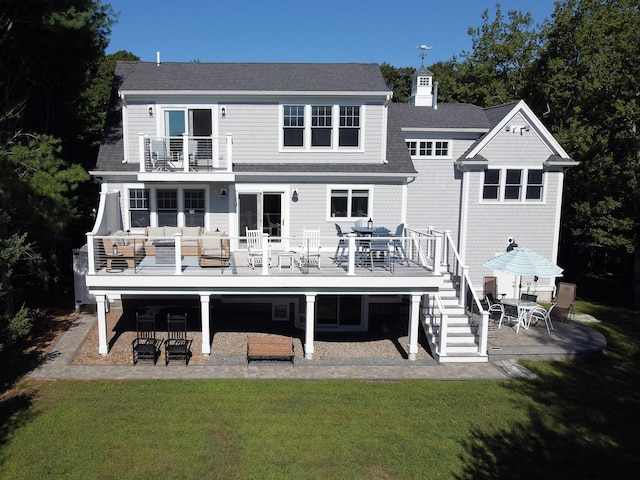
pixel 423 52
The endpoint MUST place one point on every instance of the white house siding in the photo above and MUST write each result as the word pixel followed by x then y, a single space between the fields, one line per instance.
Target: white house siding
pixel 489 225
pixel 311 209
pixel 256 130
pixel 138 121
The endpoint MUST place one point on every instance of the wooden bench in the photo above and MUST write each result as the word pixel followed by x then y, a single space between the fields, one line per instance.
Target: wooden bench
pixel 261 347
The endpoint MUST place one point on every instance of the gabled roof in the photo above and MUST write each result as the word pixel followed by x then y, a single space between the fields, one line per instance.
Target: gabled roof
pixel 254 77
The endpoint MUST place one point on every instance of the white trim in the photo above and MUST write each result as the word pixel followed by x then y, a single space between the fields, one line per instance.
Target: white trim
pixel 349 188
pixel 444 130
pixel 523 186
pixel 537 126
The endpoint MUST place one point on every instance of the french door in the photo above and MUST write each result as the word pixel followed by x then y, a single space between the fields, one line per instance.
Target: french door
pixel 261 211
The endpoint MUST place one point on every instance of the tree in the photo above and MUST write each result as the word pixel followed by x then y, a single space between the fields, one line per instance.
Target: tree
pixel 587 81
pixel 47 52
pixel 399 80
pixel 497 68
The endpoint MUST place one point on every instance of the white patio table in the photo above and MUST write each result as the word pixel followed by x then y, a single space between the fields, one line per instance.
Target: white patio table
pixel 522 307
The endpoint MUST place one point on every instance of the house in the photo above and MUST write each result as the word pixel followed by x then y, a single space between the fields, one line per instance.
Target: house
pixel 198 154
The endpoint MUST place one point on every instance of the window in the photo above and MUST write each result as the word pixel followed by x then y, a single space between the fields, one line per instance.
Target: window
pixel 321 126
pixel 194 208
pixel 513 185
pixel 491 189
pixel 508 184
pixel 534 185
pixel 349 133
pixel 350 203
pixel 424 81
pixel 293 125
pixel 167 208
pixel 138 207
pixel 428 148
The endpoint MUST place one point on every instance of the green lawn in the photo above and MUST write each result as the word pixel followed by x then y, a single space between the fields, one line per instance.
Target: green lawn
pixel 576 420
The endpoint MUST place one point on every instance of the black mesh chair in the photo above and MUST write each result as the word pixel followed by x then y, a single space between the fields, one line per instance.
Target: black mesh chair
pixel 177 346
pixel 145 345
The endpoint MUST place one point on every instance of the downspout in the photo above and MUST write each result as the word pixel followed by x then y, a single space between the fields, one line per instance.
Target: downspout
pixel 464 212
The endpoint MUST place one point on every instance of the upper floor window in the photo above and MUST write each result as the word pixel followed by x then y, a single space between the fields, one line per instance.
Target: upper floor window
pixel 429 148
pixel 349 126
pixel 321 130
pixel 350 203
pixel 509 184
pixel 293 125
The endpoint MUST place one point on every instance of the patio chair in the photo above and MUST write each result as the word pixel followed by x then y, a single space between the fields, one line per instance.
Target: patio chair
pixel 145 345
pixel 343 245
pixel 310 249
pixel 193 154
pixel 398 244
pixel 564 301
pixel 255 247
pixel 539 313
pixel 494 307
pixel 159 155
pixel 176 346
pixel 380 248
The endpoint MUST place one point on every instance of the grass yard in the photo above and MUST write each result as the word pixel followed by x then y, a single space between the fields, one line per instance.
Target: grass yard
pixel 576 420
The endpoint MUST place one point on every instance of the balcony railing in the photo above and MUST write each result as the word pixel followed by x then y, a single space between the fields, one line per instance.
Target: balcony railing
pixel 185 153
pixel 180 255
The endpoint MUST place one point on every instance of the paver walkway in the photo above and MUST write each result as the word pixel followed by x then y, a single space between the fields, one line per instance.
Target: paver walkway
pixel 57 365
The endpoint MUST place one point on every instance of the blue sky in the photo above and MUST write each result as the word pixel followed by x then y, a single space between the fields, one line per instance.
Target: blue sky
pixel 304 31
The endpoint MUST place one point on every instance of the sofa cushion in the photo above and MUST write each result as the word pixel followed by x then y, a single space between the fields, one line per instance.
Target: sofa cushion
pixel 171 231
pixel 190 231
pixel 120 240
pixel 155 231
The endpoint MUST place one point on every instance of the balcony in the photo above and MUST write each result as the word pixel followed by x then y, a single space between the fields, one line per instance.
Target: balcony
pixel 189 155
pixel 419 257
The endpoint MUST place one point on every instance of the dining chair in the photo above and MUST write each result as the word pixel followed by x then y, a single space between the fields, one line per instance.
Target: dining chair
pixel 539 313
pixel 398 244
pixel 343 245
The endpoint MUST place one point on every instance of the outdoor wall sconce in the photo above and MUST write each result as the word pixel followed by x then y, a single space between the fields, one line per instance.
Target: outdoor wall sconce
pixel 223 192
pixel 223 112
pixel 151 111
pixel 370 223
pixel 294 196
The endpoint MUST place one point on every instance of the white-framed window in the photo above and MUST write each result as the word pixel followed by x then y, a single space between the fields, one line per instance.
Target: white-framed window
pixel 167 207
pixel 322 127
pixel 429 148
pixel 139 213
pixel 293 126
pixel 194 201
pixel 513 185
pixel 350 202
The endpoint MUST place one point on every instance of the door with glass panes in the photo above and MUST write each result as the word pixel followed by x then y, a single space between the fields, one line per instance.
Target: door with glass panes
pixel 261 211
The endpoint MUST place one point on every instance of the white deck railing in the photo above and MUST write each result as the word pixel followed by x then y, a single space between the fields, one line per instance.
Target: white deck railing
pixel 130 256
pixel 185 153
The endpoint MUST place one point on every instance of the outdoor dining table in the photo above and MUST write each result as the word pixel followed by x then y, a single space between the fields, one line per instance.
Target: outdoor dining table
pixel 522 308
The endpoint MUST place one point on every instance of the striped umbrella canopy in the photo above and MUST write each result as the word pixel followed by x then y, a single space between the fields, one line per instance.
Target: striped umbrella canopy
pixel 522 261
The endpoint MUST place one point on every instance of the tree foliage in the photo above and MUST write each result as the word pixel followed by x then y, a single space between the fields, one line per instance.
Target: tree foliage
pixel 48 54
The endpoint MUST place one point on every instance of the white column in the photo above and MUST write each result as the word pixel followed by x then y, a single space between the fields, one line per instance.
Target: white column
pixel 229 152
pixel 310 326
pixel 206 331
pixel 101 301
pixel 185 152
pixel 352 254
pixel 265 254
pixel 177 237
pixel 414 322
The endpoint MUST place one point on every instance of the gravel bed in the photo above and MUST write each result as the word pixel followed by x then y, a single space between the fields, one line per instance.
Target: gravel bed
pixel 383 345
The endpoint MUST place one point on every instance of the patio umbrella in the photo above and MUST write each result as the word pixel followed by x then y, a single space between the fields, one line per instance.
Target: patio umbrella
pixel 522 261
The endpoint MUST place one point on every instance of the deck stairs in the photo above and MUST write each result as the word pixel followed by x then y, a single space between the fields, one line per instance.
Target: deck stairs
pixel 462 332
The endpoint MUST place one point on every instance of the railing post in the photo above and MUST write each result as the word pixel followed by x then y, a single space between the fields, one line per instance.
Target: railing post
pixel 178 250
pixel 265 254
pixel 484 332
pixel 229 152
pixel 141 138
pixel 185 151
pixel 437 254
pixel 91 253
pixel 352 254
